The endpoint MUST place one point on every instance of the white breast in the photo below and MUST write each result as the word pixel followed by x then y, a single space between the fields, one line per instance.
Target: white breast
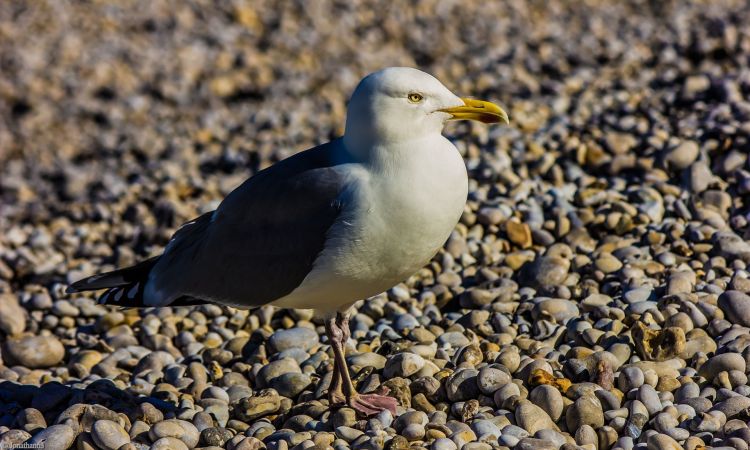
pixel 407 203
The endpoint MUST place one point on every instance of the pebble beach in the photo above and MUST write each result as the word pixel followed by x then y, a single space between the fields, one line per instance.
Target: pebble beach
pixel 595 294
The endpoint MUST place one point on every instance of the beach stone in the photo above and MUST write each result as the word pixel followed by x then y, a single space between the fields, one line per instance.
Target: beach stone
pixel 533 418
pixel 586 435
pixel 720 363
pixel 109 435
pixel 462 385
pixel 556 309
pixel 512 434
pixel 549 399
pixel 13 438
pixel 367 359
pixel 587 410
pixel 12 315
pixel 299 337
pixel 215 436
pixel 56 437
pixel 276 369
pixel 485 428
pixel 733 406
pixel 547 271
pixel 168 443
pixel 34 352
pixel 736 307
pixel 529 443
pixel 682 155
pixel 608 263
pixel 660 441
pixel 413 432
pixel 640 294
pixel 630 378
pixel 650 399
pixel 444 444
pixel 410 418
pixel 453 338
pixel 490 379
pixel 291 384
pixel 658 345
pixel 175 428
pixel 265 402
pixel 403 365
pixel 518 233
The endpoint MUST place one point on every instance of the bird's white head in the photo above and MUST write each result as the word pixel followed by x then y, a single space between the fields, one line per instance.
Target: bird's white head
pixel 399 104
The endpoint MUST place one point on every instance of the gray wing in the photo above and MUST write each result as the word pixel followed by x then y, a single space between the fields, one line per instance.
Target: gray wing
pixel 262 240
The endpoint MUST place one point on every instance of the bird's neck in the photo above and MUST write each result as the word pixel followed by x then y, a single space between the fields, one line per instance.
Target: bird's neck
pixel 387 155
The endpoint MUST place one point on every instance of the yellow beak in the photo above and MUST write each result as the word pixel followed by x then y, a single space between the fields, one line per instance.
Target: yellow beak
pixel 485 112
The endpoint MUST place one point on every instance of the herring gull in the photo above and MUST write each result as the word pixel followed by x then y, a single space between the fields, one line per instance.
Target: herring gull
pixel 328 226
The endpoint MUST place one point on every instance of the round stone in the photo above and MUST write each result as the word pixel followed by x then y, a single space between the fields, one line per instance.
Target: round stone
pixel 109 435
pixel 168 443
pixel 548 399
pixel 720 363
pixel 490 379
pixel 736 307
pixel 12 315
pixel 299 337
pixel 56 437
pixel 587 410
pixel 34 352
pixel 533 418
pixel 180 429
pixel 403 365
pixel 556 309
pixel 291 384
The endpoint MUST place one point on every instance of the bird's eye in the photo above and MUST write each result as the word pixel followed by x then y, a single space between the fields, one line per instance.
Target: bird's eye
pixel 415 98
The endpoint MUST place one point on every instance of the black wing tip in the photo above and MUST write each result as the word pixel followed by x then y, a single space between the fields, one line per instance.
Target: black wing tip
pixel 128 296
pixel 85 284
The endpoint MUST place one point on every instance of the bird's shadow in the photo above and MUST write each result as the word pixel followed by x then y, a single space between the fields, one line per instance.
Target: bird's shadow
pixel 52 399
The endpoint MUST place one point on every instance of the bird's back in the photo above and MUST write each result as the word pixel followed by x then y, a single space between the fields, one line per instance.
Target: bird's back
pixel 256 247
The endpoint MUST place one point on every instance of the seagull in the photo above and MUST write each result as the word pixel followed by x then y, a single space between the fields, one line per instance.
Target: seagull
pixel 328 226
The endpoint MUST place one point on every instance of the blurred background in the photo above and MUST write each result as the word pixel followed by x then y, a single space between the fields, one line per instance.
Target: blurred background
pixel 119 120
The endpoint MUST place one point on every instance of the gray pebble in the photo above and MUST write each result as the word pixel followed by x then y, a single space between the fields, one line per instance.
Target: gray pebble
pixel 56 437
pixel 109 435
pixel 299 337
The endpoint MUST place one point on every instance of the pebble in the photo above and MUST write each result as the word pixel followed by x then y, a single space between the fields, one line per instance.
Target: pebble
pixel 109 435
pixel 736 307
pixel 720 363
pixel 490 379
pixel 55 437
pixel 443 444
pixel 403 365
pixel 34 352
pixel 180 429
pixel 169 443
pixel 558 310
pixel 682 155
pixel 733 406
pixel 462 385
pixel 12 315
pixel 548 399
pixel 630 378
pixel 299 337
pixel 587 410
pixel 291 384
pixel 532 418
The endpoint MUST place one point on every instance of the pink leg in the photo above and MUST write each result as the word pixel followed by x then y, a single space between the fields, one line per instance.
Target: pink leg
pixel 336 395
pixel 367 404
